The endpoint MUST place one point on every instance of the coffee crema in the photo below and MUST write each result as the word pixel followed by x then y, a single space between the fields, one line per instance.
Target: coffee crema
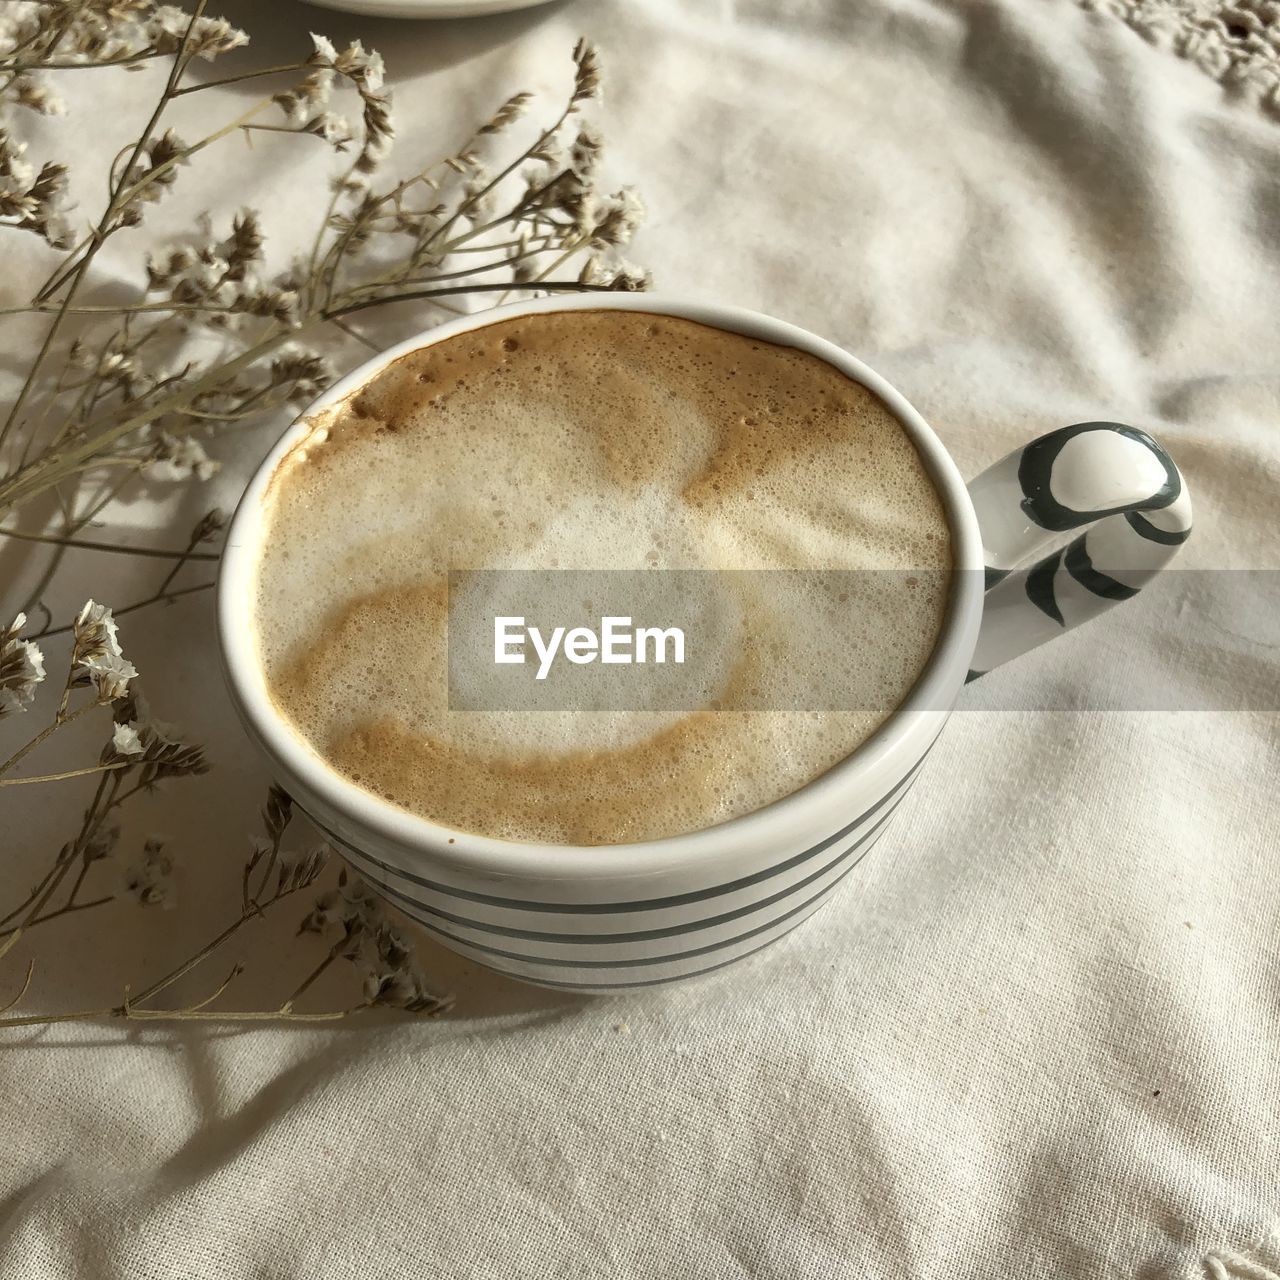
pixel 596 440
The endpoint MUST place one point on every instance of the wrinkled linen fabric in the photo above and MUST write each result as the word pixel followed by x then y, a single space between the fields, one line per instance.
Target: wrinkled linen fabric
pixel 1035 1033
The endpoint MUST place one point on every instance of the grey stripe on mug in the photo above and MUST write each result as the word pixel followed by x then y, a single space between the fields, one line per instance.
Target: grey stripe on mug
pixel 639 935
pixel 643 904
pixel 658 982
pixel 670 957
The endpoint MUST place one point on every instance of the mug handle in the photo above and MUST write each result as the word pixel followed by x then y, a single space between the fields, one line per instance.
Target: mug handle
pixel 1116 480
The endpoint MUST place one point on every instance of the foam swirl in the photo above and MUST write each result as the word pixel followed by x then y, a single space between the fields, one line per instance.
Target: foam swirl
pixel 592 440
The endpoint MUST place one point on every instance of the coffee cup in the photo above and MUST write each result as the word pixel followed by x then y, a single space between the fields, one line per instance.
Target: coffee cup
pixel 1043 540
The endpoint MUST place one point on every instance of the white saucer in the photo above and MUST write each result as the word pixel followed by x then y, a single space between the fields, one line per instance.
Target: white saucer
pixel 427 8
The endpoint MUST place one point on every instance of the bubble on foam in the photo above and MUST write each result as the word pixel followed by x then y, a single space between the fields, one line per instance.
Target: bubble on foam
pixel 593 440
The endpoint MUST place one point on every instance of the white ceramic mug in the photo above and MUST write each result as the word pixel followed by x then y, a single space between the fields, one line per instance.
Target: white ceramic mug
pixel 622 916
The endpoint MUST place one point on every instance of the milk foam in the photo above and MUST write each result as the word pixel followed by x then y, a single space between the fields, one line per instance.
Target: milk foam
pixel 590 440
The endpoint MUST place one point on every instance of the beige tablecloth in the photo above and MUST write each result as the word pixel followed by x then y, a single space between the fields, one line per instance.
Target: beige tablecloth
pixel 1036 1034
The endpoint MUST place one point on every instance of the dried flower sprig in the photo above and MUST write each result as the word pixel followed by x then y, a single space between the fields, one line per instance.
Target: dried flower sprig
pixel 205 530
pixel 96 661
pixel 139 754
pixel 380 954
pixel 21 668
pixel 139 392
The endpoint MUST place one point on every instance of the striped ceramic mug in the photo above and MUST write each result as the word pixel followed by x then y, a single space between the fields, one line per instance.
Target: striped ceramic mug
pixel 622 916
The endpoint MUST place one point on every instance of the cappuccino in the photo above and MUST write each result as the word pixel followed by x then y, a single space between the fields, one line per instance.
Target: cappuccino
pixel 599 441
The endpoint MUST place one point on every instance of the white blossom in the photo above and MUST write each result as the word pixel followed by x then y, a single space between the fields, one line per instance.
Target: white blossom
pixel 110 674
pixel 366 68
pixel 213 36
pixel 126 741
pixel 96 657
pixel 334 129
pixel 37 95
pixel 16 174
pixel 181 458
pixel 618 274
pixel 325 52
pixel 171 20
pixel 619 217
pixel 58 231
pixel 21 668
pixel 375 70
pixel 586 149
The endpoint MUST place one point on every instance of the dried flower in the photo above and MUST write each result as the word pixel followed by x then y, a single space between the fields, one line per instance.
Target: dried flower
pixel 101 844
pixel 381 952
pixel 297 872
pixel 586 83
pixel 352 905
pixel 208 37
pixel 150 881
pixel 277 812
pixel 620 275
pixel 585 153
pixel 163 755
pixel 391 979
pixel 126 741
pixel 280 305
pixel 312 94
pixel 365 71
pixel 180 458
pixel 34 201
pixel 304 374
pixel 334 129
pixel 166 151
pixel 365 68
pixel 508 113
pixel 35 93
pixel 167 266
pixel 325 53
pixel 135 709
pixel 208 526
pixel 96 657
pixel 617 219
pixel 21 668
pixel 162 758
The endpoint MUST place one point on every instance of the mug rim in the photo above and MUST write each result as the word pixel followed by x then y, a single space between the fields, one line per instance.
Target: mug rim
pixel 919 716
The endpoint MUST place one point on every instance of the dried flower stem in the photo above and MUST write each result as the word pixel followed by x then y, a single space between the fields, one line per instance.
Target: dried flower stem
pixel 93 819
pixel 335 952
pixel 127 1010
pixel 551 286
pixel 38 475
pixel 256 902
pixel 71 908
pixel 62 718
pixel 58 777
pixel 83 545
pixel 243 76
pixel 157 598
pixel 22 990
